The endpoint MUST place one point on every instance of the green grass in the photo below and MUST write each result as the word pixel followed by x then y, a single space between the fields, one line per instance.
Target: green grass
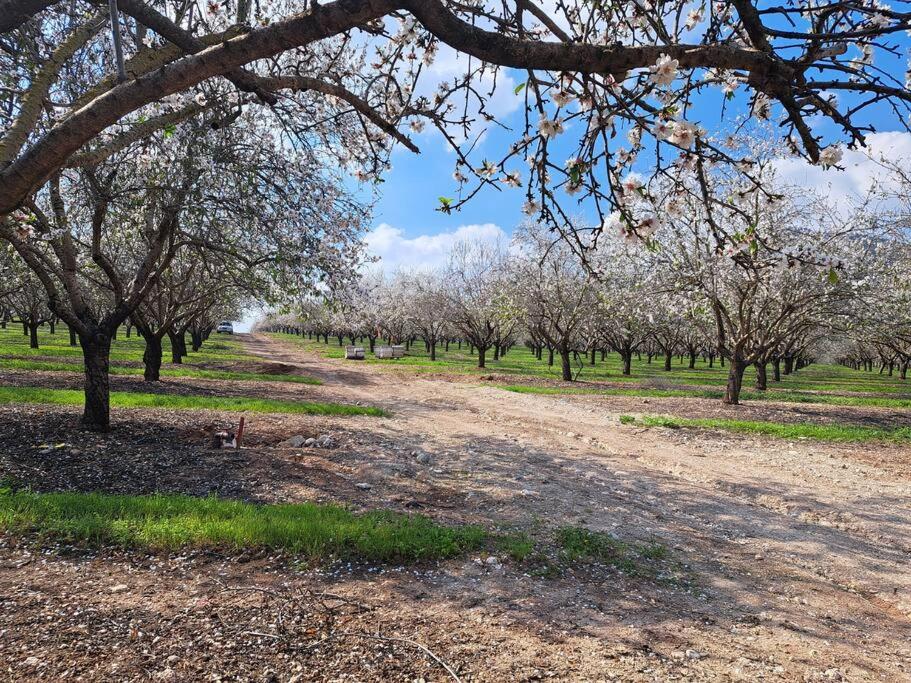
pixel 123 399
pixel 636 559
pixel 169 522
pixel 518 545
pixel 521 362
pixel 14 343
pixel 770 395
pixel 166 371
pixel 842 433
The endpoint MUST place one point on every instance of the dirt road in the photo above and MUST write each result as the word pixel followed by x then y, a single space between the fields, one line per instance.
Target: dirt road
pixel 796 553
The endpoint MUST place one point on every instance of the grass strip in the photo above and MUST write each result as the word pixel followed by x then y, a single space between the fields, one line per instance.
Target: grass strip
pixel 841 433
pixel 169 522
pixel 175 371
pixel 781 396
pixel 125 399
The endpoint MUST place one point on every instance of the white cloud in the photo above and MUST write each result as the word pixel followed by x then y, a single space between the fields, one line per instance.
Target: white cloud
pixel 398 252
pixel 861 171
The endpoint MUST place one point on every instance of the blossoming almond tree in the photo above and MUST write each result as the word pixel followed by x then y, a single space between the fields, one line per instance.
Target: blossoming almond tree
pixel 100 236
pixel 598 72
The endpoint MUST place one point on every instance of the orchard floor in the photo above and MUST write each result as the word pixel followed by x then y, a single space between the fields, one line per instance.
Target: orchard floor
pixel 794 556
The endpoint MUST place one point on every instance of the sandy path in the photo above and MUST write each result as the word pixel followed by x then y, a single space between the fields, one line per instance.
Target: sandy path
pixel 769 523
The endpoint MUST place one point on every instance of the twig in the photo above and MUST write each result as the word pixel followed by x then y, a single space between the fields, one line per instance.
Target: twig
pixel 425 650
pixel 261 635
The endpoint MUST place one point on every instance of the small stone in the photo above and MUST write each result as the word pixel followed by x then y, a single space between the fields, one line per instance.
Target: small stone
pixel 423 458
pixel 364 486
pixel 31 662
pixel 492 560
pixel 120 588
pixel 295 441
pixel 833 674
pixel 310 442
pixel 173 659
pixel 167 674
pixel 46 451
pixel 693 654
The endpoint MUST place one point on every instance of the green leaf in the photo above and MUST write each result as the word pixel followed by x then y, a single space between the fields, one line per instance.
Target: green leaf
pixel 169 130
pixel 833 276
pixel 519 88
pixel 445 201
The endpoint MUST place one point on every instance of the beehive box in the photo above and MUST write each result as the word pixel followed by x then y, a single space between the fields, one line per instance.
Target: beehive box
pixel 354 353
pixel 390 352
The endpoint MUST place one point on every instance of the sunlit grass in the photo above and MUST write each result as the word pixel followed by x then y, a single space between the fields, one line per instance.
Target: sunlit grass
pixel 14 343
pixel 170 522
pixel 837 433
pixel 520 361
pixel 124 399
pixel 770 395
pixel 167 370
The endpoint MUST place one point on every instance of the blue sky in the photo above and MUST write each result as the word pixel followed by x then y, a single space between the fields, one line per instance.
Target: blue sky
pixel 408 231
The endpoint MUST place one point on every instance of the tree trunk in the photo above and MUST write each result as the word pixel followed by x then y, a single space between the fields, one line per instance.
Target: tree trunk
pixel 788 364
pixel 433 350
pixel 550 356
pixel 776 370
pixel 482 354
pixel 52 327
pixel 591 360
pixel 668 357
pixel 565 367
pixel 496 351
pixel 762 380
pixel 72 337
pixel 33 336
pixel 627 363
pixel 151 357
pixel 735 381
pixel 96 352
pixel 178 347
pixel 196 340
pixel 692 360
pixel 372 341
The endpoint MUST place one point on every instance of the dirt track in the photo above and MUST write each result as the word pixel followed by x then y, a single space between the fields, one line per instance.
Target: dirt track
pixel 798 552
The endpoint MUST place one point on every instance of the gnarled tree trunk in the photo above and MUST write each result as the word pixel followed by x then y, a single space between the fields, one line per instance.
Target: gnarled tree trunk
pixel 96 353
pixel 735 380
pixel 762 380
pixel 151 357
pixel 565 367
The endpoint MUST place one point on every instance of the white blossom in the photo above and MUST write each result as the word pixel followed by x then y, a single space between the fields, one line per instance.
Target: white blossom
pixel 549 128
pixel 530 207
pixel 684 134
pixel 664 71
pixel 831 155
pixel 513 179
